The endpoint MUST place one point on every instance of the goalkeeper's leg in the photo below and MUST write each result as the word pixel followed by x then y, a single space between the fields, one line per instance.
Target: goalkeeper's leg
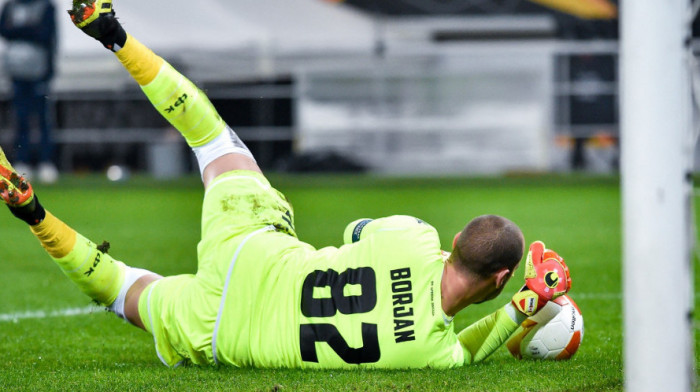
pixel 107 281
pixel 217 147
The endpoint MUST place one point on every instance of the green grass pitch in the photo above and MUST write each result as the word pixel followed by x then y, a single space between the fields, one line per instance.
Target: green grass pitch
pixel 156 226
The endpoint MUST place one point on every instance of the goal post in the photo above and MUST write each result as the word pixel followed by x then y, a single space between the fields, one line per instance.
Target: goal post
pixel 657 150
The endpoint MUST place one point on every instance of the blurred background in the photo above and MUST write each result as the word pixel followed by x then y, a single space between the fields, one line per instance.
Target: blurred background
pixel 403 87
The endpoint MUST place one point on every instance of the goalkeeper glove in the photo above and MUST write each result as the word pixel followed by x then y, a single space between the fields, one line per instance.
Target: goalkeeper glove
pixel 546 278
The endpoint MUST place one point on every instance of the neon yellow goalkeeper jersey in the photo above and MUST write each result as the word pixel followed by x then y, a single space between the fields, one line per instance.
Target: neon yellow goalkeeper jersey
pixel 374 302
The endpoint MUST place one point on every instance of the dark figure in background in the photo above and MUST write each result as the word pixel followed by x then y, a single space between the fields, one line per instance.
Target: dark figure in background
pixel 578 154
pixel 29 26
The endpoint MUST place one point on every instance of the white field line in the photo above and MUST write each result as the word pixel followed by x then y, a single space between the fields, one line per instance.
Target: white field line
pixel 604 296
pixel 42 314
pixel 599 296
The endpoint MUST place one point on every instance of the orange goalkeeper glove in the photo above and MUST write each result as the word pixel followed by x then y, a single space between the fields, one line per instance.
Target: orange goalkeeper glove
pixel 546 278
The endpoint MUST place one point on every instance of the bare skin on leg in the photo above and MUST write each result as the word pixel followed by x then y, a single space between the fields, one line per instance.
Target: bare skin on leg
pixel 227 163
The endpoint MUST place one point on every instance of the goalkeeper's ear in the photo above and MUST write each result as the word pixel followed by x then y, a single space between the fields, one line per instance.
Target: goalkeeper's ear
pixel 496 282
pixel 502 276
pixel 454 240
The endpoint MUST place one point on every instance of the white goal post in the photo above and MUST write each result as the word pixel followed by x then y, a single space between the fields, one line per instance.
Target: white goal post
pixel 657 148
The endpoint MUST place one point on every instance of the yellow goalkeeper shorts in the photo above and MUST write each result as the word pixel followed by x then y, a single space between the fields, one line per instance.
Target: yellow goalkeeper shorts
pixel 181 311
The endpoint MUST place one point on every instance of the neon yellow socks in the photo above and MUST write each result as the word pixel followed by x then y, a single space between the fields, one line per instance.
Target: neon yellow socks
pixel 95 272
pixel 175 97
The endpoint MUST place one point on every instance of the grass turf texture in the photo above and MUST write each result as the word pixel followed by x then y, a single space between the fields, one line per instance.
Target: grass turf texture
pixel 156 226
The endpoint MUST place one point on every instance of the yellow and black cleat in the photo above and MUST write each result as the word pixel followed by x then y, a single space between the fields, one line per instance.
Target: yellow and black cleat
pixel 15 190
pixel 97 19
pixel 84 12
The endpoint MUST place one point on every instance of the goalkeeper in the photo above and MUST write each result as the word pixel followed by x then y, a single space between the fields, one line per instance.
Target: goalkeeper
pixel 263 298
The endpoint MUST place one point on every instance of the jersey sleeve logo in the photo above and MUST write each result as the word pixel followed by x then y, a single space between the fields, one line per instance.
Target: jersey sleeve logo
pixel 358 229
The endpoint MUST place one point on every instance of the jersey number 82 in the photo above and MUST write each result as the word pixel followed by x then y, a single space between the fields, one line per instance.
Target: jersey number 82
pixel 309 334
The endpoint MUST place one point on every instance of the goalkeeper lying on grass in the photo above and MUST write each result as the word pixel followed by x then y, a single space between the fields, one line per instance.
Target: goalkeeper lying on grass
pixel 261 297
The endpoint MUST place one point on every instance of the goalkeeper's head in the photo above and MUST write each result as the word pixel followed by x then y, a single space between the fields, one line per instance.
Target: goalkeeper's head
pixel 489 248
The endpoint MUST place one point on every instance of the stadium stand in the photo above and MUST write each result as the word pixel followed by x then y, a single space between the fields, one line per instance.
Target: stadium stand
pixel 266 67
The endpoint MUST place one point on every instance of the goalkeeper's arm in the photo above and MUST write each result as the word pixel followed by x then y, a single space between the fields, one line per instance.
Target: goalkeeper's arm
pixel 485 336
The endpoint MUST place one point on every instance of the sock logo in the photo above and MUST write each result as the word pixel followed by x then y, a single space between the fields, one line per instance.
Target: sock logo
pixel 180 101
pixel 98 258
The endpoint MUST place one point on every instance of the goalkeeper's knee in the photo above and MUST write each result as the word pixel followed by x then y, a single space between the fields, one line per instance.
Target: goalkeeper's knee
pixel 131 275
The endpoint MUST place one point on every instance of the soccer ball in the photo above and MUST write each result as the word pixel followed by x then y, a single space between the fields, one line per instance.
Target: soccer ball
pixel 555 332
